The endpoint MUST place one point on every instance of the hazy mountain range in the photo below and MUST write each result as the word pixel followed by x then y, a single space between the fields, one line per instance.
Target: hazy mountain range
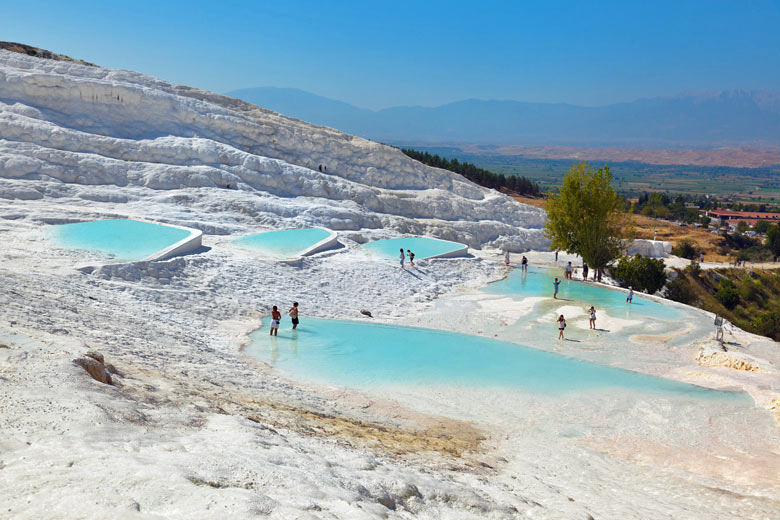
pixel 733 117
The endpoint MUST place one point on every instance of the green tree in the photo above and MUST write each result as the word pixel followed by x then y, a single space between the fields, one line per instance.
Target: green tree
pixel 762 226
pixel 773 240
pixel 587 217
pixel 742 226
pixel 640 272
pixel 727 294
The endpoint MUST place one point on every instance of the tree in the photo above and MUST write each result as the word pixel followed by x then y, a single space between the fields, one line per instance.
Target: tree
pixel 587 217
pixel 762 226
pixel 727 294
pixel 685 249
pixel 773 240
pixel 640 272
pixel 742 226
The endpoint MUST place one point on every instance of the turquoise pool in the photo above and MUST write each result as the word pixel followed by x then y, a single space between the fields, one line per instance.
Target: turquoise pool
pixel 539 282
pixel 368 355
pixel 422 247
pixel 284 243
pixel 124 240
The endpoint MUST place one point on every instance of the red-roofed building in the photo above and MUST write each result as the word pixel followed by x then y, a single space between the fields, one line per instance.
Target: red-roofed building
pixel 751 217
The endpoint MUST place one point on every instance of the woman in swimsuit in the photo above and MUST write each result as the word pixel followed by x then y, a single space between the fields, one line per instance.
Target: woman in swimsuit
pixel 561 326
pixel 592 312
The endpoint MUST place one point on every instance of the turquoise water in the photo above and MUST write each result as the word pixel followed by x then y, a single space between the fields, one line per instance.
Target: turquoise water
pixel 421 247
pixel 368 355
pixel 120 239
pixel 284 243
pixel 539 282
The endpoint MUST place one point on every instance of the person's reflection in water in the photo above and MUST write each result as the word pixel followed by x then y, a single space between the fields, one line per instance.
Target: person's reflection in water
pixel 294 342
pixel 274 350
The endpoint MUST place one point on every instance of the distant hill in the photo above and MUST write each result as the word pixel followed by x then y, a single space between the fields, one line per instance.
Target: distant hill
pixel 733 117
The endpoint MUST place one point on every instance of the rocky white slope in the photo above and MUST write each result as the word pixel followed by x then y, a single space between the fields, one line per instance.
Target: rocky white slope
pixel 72 123
pixel 193 427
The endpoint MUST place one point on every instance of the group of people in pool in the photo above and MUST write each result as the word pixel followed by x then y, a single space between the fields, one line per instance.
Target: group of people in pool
pixel 556 284
pixel 276 318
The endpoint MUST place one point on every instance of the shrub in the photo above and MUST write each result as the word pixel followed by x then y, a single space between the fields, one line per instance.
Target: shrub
pixel 727 294
pixel 680 290
pixel 685 249
pixel 767 324
pixel 694 268
pixel 642 273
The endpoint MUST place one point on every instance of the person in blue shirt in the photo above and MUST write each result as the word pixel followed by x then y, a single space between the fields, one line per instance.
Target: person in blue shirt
pixel 556 283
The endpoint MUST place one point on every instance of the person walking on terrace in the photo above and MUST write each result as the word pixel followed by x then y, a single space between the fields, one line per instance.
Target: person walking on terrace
pixel 524 264
pixel 592 312
pixel 403 257
pixel 556 283
pixel 561 326
pixel 411 257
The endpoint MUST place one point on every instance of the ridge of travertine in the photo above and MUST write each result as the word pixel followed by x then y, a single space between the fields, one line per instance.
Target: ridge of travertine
pixel 72 123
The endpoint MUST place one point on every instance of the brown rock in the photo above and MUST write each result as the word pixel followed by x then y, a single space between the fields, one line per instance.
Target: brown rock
pixel 95 369
pixel 97 356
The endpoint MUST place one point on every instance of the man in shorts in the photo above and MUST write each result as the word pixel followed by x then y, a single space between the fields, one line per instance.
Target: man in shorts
pixel 293 312
pixel 276 317
pixel 630 296
pixel 556 283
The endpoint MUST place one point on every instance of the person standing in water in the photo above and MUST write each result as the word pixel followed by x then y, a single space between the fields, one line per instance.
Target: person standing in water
pixel 630 296
pixel 584 271
pixel 276 317
pixel 561 326
pixel 568 271
pixel 592 312
pixel 411 257
pixel 403 257
pixel 293 312
pixel 556 283
pixel 506 257
pixel 524 264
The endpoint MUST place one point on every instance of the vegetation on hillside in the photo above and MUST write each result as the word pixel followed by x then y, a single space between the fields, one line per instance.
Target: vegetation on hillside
pixel 748 298
pixel 640 272
pixel 587 217
pixel 488 179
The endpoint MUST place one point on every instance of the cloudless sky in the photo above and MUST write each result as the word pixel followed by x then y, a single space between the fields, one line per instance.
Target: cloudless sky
pixel 377 54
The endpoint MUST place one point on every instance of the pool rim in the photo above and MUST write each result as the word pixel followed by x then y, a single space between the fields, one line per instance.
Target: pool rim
pixel 458 252
pixel 190 243
pixel 326 243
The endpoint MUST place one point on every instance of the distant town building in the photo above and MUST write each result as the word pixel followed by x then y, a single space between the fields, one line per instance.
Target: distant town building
pixel 731 218
pixel 691 205
pixel 751 217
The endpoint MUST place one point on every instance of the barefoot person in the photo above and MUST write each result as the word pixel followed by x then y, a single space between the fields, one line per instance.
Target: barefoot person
pixel 592 312
pixel 524 264
pixel 556 283
pixel 506 257
pixel 411 257
pixel 585 271
pixel 276 316
pixel 293 312
pixel 630 297
pixel 561 326
pixel 403 257
pixel 568 271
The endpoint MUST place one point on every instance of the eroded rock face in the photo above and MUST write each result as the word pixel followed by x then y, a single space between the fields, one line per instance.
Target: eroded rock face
pixel 725 360
pixel 94 367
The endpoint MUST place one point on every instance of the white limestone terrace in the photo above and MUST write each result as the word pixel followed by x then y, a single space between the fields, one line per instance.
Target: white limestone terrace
pixel 68 122
pixel 193 428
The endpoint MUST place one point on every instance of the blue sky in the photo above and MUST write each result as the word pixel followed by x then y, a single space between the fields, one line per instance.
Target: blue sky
pixel 378 54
